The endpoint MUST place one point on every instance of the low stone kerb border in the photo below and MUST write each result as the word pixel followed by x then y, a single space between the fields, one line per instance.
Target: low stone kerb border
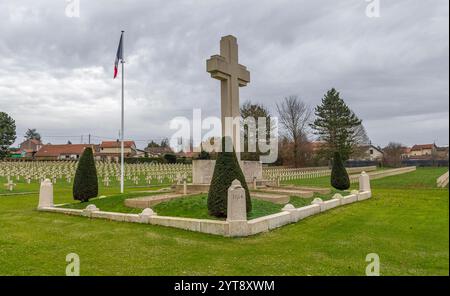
pixel 230 227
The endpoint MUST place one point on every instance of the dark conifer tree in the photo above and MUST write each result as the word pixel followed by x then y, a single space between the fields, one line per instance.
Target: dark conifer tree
pixel 227 170
pixel 85 183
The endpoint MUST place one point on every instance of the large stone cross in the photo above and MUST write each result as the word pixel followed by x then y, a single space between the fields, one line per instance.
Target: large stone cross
pixel 232 75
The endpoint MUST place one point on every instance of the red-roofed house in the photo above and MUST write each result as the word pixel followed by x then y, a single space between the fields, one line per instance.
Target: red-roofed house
pixel 315 146
pixel 110 150
pixel 28 148
pixel 62 152
pixel 423 151
pixel 405 152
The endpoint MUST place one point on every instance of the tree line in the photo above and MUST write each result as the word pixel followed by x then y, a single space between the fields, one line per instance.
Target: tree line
pixel 310 136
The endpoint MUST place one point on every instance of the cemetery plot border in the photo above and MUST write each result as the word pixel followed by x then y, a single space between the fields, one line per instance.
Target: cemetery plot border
pixel 442 181
pixel 239 227
pixel 385 173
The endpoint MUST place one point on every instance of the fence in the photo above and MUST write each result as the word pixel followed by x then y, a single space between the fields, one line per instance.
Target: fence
pixel 425 162
pixel 285 174
pixel 361 163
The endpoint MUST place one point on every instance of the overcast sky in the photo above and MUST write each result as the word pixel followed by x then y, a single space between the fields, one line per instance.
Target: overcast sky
pixel 56 71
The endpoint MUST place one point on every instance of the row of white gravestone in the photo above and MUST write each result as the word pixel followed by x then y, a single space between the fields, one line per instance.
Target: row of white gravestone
pixel 149 179
pixel 295 175
pixel 46 193
pixel 40 170
pixel 10 185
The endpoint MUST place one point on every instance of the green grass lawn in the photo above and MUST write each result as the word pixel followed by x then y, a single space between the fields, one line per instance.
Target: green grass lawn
pixel 406 223
pixel 23 187
pixel 191 207
pixel 423 177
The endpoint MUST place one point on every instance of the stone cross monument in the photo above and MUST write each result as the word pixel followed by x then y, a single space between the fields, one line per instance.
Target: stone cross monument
pixel 232 75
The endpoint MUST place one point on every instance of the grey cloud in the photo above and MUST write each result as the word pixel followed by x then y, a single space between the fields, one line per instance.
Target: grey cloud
pixel 55 71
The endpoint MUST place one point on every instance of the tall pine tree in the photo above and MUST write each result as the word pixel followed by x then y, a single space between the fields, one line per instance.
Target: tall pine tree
pixel 337 126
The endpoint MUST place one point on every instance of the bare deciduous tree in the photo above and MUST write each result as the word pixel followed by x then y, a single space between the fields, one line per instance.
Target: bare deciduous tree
pixel 255 111
pixel 360 141
pixel 393 154
pixel 294 116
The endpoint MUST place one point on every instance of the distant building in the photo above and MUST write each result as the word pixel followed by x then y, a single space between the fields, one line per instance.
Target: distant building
pixel 371 152
pixel 368 153
pixel 140 153
pixel 315 146
pixel 405 153
pixel 110 150
pixel 62 152
pixel 364 152
pixel 28 148
pixel 157 151
pixel 442 152
pixel 189 154
pixel 15 153
pixel 423 151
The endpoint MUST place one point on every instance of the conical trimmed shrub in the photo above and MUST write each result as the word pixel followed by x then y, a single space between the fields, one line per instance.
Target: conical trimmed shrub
pixel 339 175
pixel 227 169
pixel 85 183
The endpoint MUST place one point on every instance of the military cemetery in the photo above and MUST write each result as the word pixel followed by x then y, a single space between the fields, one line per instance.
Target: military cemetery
pixel 286 186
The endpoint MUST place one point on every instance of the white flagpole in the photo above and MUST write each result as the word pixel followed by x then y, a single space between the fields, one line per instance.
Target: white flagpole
pixel 122 126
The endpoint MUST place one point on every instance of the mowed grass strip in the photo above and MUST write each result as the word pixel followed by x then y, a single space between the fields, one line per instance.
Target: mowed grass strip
pixel 192 206
pixel 406 223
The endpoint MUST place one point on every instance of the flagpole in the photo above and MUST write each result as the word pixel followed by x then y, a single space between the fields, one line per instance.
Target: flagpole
pixel 122 172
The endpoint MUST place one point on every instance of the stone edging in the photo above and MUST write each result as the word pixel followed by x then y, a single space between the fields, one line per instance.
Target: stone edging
pixel 385 173
pixel 236 224
pixel 442 181
pixel 18 193
pixel 288 215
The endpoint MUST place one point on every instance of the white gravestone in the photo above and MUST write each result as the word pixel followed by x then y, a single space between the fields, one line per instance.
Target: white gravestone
pixel 237 205
pixel 146 214
pixel 317 201
pixel 46 194
pixel 184 186
pixel 10 185
pixel 237 210
pixel 364 182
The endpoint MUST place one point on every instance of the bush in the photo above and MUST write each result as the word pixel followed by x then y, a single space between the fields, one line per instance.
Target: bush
pixel 85 183
pixel 339 175
pixel 226 170
pixel 170 158
pixel 204 155
pixel 135 160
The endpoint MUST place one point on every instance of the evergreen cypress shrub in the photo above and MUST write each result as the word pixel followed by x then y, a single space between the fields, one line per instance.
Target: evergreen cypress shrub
pixel 226 170
pixel 170 158
pixel 85 183
pixel 204 155
pixel 339 175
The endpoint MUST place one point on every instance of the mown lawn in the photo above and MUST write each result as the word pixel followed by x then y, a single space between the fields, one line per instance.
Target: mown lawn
pixel 23 187
pixel 192 206
pixel 406 224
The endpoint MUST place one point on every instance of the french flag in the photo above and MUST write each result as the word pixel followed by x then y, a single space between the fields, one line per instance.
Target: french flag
pixel 119 56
